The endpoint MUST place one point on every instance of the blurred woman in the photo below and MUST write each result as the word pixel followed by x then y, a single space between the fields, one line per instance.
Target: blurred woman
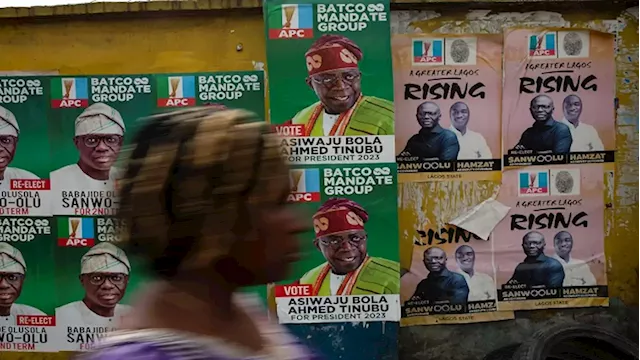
pixel 204 202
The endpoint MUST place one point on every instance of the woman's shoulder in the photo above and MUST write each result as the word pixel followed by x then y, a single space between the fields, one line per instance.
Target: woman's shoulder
pixel 145 345
pixel 163 344
pixel 131 351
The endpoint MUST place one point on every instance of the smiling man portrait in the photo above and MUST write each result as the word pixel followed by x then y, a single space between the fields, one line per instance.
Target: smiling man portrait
pixel 9 136
pixel 13 269
pixel 334 76
pixel 104 276
pixel 339 225
pixel 432 142
pixel 546 135
pixel 99 133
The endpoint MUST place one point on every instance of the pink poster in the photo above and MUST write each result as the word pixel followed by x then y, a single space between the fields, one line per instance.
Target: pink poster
pixel 447 103
pixel 559 97
pixel 549 250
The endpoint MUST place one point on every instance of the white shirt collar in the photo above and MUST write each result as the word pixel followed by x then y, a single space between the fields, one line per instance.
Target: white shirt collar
pixel 569 123
pixel 457 132
pixel 557 257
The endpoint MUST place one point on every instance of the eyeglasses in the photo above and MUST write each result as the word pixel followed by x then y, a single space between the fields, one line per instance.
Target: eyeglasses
pixel 99 279
pixel 8 140
pixel 332 79
pixel 92 141
pixel 336 242
pixel 11 278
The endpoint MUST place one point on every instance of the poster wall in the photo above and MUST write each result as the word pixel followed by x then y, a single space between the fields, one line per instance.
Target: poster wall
pixel 451 274
pixel 331 97
pixel 27 269
pixel 351 270
pixel 558 103
pixel 331 80
pixel 58 233
pixel 93 118
pixel 448 90
pixel 549 250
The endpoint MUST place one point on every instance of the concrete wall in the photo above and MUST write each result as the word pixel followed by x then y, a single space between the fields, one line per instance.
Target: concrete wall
pixel 190 40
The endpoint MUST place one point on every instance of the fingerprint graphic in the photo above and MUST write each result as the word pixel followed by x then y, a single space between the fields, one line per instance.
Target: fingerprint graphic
pixel 460 51
pixel 572 44
pixel 564 182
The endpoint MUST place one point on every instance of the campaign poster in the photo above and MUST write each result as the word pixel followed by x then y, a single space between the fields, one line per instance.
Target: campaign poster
pixel 91 120
pixel 558 102
pixel 27 269
pixel 24 178
pixel 234 89
pixel 451 274
pixel 350 271
pixel 330 80
pixel 94 281
pixel 447 97
pixel 549 250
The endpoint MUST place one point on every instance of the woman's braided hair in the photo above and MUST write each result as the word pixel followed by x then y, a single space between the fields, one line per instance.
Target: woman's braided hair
pixel 190 180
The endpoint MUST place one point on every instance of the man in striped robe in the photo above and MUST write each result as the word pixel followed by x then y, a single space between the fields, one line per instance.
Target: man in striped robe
pixel 332 64
pixel 349 270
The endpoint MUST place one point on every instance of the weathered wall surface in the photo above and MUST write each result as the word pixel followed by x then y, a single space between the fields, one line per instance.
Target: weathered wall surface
pixel 475 341
pixel 208 41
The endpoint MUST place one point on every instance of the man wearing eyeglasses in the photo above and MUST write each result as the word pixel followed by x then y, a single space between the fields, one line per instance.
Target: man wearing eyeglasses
pixel 99 132
pixel 13 269
pixel 349 270
pixel 9 134
pixel 334 76
pixel 104 276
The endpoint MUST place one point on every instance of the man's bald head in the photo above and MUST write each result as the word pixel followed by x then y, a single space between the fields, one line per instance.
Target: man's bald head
pixel 435 259
pixel 563 243
pixel 428 114
pixel 459 115
pixel 466 258
pixel 541 108
pixel 572 108
pixel 533 243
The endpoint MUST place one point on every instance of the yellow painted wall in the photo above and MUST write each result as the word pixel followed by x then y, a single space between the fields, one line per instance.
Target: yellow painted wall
pixel 207 40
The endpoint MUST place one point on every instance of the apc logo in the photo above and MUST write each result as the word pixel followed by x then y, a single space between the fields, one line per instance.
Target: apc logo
pixel 176 91
pixel 291 21
pixel 76 232
pixel 427 52
pixel 533 183
pixel 69 93
pixel 543 46
pixel 304 185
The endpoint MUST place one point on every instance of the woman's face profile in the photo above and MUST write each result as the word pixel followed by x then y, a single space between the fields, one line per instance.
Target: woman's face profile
pixel 273 246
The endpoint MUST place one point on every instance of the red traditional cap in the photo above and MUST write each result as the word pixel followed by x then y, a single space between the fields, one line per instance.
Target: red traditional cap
pixel 338 216
pixel 332 57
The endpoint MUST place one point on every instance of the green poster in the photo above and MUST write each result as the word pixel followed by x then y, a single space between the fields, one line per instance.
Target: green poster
pixel 26 265
pixel 92 119
pixel 331 96
pixel 234 89
pixel 334 55
pixel 351 251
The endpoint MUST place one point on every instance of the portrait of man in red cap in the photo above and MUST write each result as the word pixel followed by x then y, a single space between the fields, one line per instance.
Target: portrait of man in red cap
pixel 340 235
pixel 334 75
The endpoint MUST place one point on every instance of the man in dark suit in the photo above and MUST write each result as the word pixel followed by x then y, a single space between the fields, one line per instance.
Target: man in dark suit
pixel 537 269
pixel 432 142
pixel 441 285
pixel 546 135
